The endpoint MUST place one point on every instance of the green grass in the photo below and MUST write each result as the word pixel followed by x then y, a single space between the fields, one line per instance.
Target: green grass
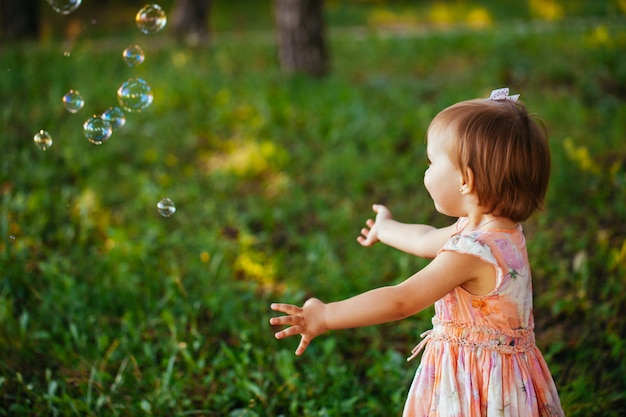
pixel 106 308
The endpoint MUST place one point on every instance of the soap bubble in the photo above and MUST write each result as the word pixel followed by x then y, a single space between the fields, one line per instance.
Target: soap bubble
pixel 97 130
pixel 115 116
pixel 43 140
pixel 64 6
pixel 151 19
pixel 166 207
pixel 133 55
pixel 73 101
pixel 134 95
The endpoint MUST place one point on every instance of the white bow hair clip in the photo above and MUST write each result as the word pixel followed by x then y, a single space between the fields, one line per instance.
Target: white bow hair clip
pixel 502 94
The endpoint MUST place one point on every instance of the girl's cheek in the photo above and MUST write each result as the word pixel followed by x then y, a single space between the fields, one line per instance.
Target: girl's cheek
pixel 427 180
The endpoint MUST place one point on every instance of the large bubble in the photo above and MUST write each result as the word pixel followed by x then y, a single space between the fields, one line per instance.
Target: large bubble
pixel 134 95
pixel 73 101
pixel 133 55
pixel 97 130
pixel 115 116
pixel 151 19
pixel 166 207
pixel 64 6
pixel 43 140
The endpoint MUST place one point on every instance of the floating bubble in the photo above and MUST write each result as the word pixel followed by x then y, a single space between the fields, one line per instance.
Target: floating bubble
pixel 166 207
pixel 64 6
pixel 134 95
pixel 73 101
pixel 115 116
pixel 151 19
pixel 133 55
pixel 43 140
pixel 97 130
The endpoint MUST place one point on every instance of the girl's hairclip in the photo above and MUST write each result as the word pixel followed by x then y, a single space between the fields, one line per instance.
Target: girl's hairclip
pixel 502 94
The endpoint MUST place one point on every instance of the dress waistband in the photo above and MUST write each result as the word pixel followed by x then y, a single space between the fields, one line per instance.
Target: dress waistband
pixel 469 334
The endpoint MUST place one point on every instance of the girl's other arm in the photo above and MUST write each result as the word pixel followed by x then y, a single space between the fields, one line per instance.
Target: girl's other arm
pixel 417 239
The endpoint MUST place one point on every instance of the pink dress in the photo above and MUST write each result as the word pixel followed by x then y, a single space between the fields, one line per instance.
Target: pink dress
pixel 480 358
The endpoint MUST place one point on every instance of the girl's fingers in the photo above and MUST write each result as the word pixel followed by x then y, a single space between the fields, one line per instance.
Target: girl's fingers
pixel 304 343
pixel 286 320
pixel 286 308
pixel 293 319
pixel 290 331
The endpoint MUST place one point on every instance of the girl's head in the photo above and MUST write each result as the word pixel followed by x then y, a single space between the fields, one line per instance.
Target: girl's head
pixel 501 150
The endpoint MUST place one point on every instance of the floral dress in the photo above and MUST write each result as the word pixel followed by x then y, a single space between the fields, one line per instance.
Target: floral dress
pixel 480 358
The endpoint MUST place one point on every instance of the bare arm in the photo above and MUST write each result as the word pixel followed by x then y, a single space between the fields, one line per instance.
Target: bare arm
pixel 446 272
pixel 417 239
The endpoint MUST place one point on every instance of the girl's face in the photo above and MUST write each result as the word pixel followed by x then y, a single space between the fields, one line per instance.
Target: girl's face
pixel 443 179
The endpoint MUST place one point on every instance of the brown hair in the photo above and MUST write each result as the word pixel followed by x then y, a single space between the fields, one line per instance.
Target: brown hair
pixel 507 150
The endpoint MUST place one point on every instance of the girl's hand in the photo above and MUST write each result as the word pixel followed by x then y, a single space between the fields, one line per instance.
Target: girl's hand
pixel 308 321
pixel 369 234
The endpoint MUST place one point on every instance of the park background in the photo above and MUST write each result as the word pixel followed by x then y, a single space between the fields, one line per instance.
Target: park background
pixel 108 308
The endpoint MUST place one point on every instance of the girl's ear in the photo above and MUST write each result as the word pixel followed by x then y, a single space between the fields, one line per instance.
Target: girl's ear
pixel 467 186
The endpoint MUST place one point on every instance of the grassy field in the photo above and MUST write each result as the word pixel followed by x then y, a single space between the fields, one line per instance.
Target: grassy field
pixel 109 309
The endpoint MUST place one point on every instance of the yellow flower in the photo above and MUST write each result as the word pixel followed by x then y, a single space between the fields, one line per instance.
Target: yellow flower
pixel 205 257
pixel 580 155
pixel 546 9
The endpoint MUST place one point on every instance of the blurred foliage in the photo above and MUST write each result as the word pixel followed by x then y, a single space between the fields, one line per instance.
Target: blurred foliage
pixel 106 308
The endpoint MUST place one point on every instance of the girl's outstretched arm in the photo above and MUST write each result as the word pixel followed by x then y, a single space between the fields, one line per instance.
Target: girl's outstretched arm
pixel 446 272
pixel 417 239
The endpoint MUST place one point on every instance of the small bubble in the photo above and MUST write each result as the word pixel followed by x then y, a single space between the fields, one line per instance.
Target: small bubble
pixel 151 19
pixel 115 116
pixel 43 140
pixel 97 130
pixel 64 6
pixel 133 55
pixel 134 95
pixel 73 101
pixel 166 207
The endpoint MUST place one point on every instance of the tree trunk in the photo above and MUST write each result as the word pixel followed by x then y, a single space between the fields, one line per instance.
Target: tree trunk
pixel 19 19
pixel 190 21
pixel 301 40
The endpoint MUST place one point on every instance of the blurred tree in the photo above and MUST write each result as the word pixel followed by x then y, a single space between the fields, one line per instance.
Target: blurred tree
pixel 19 19
pixel 301 40
pixel 190 21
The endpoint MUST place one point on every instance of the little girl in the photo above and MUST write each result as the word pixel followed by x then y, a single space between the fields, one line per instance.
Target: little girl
pixel 489 165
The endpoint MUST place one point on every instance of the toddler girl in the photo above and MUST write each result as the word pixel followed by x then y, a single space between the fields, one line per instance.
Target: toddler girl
pixel 489 165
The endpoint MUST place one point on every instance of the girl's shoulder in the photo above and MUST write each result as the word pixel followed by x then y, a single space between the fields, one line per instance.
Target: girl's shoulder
pixel 504 248
pixel 509 260
pixel 470 244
